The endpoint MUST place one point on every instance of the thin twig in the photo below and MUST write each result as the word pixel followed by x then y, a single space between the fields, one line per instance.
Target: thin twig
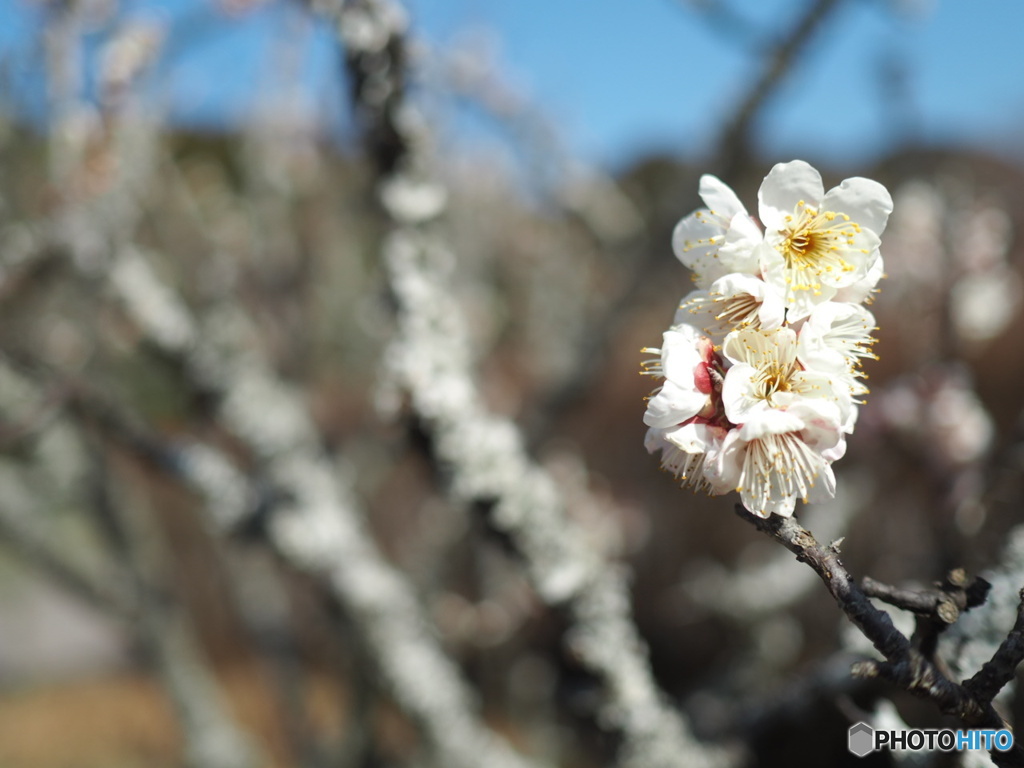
pixel 945 602
pixel 904 665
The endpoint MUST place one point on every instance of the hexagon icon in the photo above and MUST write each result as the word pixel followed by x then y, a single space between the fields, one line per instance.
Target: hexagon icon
pixel 861 739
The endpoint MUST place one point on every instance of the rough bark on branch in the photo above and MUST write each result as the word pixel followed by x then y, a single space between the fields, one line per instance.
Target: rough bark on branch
pixel 904 665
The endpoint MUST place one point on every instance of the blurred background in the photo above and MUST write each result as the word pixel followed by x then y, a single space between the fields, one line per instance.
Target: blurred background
pixel 191 240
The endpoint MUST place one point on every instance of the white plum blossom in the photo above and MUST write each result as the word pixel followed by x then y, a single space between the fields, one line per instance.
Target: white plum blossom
pixel 939 413
pixel 766 376
pixel 835 338
pixel 762 365
pixel 733 301
pixel 685 362
pixel 819 241
pixel 984 303
pixel 686 450
pixel 718 240
pixel 782 455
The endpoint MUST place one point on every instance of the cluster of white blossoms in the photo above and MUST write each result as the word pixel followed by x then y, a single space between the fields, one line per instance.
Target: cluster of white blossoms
pixel 761 368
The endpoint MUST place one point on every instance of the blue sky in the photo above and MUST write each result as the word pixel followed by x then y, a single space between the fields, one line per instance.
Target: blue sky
pixel 623 77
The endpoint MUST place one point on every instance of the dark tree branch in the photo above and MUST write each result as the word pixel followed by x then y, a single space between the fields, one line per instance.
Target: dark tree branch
pixel 734 146
pixel 995 674
pixel 945 602
pixel 875 624
pixel 935 610
pixel 377 74
pixel 905 665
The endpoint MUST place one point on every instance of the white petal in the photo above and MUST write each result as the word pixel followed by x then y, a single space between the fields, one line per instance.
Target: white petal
pixel 679 355
pixel 761 346
pixel 673 404
pixel 801 303
pixel 654 440
pixel 772 313
pixel 865 201
pixel 696 241
pixel 829 388
pixel 739 252
pixel 860 256
pixel 732 302
pixel 859 291
pixel 836 452
pixel 783 507
pixel 720 471
pixel 695 309
pixel 735 283
pixel 820 424
pixel 814 353
pixel 692 438
pixel 785 186
pixel 738 394
pixel 723 466
pixel 773 267
pixel 719 197
pixel 829 315
pixel 824 487
pixel 754 506
pixel 832 333
pixel 770 422
pixel 848 426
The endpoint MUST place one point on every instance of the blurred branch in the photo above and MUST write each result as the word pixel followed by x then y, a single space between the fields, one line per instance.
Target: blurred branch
pixel 257 586
pixel 485 453
pixel 935 610
pixel 905 665
pixel 734 148
pixel 733 27
pixel 585 193
pixel 750 594
pixel 26 538
pixel 317 526
pixel 64 81
pixel 23 527
pixel 759 599
pixel 212 739
pixel 798 698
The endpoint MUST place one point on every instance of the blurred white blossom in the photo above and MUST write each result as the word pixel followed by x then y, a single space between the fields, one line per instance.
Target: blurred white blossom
pixel 953 250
